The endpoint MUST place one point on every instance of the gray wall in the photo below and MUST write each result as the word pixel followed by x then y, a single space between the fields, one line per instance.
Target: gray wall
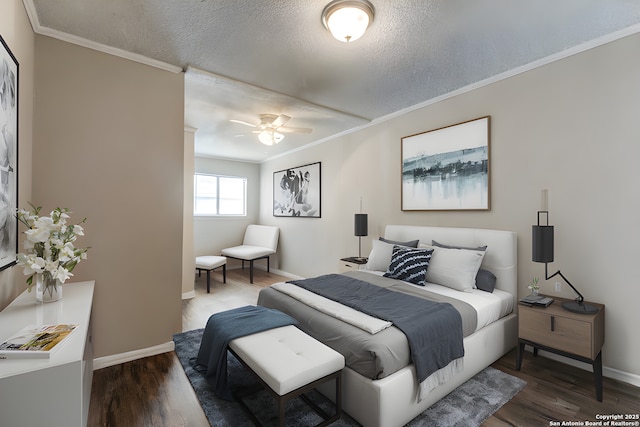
pixel 108 144
pixel 570 126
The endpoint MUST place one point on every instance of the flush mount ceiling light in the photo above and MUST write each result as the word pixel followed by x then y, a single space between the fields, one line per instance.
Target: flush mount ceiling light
pixel 270 137
pixel 347 19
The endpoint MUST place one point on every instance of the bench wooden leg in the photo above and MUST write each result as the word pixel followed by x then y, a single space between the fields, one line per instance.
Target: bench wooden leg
pixel 282 404
pixel 224 273
pixel 208 281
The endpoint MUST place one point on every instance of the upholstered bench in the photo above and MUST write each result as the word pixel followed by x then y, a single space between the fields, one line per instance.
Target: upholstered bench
pixel 288 363
pixel 209 263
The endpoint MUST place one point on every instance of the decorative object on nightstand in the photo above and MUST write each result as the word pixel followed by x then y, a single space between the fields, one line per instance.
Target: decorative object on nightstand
pixel 360 229
pixel 534 286
pixel 542 251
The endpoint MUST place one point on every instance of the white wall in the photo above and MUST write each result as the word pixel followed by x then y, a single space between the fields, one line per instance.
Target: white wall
pixel 188 256
pixel 570 126
pixel 212 234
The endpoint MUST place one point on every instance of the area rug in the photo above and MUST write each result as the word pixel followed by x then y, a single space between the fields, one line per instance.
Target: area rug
pixel 468 405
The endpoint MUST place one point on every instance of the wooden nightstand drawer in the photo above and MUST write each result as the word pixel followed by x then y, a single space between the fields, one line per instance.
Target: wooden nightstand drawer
pixel 570 335
pixel 579 336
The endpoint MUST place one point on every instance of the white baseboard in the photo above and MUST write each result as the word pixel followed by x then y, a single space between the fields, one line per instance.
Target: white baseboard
pixel 116 359
pixel 271 270
pixel 615 374
pixel 285 274
pixel 189 295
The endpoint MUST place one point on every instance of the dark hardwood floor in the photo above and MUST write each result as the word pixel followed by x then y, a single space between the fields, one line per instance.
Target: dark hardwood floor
pixel 154 391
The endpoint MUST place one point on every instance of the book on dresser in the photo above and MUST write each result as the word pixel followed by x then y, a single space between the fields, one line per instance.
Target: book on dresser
pixel 537 300
pixel 36 341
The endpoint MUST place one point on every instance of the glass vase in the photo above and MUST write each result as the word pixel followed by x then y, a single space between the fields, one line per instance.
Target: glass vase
pixel 48 289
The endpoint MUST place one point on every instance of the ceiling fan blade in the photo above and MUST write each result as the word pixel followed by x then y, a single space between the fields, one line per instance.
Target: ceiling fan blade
pixel 288 129
pixel 242 123
pixel 267 119
pixel 280 120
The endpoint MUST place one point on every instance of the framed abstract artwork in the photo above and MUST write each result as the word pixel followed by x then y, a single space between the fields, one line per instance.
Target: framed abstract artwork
pixel 447 168
pixel 296 191
pixel 8 156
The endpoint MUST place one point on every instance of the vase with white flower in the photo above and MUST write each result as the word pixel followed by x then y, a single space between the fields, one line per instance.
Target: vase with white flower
pixel 49 251
pixel 535 288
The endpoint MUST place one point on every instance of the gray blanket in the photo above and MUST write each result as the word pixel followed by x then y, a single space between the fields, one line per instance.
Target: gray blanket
pixel 433 330
pixel 224 327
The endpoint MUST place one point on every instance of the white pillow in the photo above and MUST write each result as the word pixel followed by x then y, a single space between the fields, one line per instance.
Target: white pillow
pixel 380 256
pixel 454 268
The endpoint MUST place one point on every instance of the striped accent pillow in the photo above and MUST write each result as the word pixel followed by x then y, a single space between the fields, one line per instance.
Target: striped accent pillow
pixel 409 264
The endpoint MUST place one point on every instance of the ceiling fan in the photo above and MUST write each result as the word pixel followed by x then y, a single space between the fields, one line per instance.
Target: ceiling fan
pixel 271 128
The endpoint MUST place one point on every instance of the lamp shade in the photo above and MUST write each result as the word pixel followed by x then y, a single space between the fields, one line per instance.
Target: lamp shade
pixel 269 137
pixel 360 225
pixel 542 238
pixel 347 20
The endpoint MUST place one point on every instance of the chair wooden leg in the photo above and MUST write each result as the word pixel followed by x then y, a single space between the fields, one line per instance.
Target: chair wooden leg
pixel 224 273
pixel 251 271
pixel 208 281
pixel 268 264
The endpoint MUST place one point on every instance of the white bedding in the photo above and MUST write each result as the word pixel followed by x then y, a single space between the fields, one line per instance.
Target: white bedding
pixel 349 315
pixel 489 306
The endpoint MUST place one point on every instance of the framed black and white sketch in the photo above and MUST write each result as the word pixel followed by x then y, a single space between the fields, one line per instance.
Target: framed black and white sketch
pixel 447 168
pixel 8 156
pixel 296 191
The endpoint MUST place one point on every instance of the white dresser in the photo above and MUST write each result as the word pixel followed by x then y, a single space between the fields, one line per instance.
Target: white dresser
pixel 55 391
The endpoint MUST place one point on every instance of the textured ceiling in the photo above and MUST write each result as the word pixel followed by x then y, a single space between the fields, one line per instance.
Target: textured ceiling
pixel 246 57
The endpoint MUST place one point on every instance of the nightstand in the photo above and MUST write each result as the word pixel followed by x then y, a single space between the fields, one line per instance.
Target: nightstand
pixel 556 330
pixel 351 264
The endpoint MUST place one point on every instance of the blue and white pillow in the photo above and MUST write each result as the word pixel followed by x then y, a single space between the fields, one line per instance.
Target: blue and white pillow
pixel 409 264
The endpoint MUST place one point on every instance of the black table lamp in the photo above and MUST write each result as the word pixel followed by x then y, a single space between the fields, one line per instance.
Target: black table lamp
pixel 542 238
pixel 360 228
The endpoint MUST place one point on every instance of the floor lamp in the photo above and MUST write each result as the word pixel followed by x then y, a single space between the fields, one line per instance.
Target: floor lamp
pixel 542 251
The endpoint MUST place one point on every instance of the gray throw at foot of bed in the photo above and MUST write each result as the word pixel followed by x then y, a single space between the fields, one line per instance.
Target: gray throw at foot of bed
pixel 433 330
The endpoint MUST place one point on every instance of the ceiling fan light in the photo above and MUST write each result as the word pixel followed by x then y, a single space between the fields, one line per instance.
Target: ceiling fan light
pixel 347 20
pixel 268 137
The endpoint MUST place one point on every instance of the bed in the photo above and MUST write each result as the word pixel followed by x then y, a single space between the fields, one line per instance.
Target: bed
pixel 382 390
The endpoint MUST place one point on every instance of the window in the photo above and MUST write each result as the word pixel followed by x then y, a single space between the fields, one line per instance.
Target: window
pixel 220 195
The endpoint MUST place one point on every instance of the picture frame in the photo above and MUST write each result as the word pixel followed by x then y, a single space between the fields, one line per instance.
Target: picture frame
pixel 447 168
pixel 296 191
pixel 8 156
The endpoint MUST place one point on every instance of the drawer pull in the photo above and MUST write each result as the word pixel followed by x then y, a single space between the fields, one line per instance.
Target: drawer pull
pixel 553 323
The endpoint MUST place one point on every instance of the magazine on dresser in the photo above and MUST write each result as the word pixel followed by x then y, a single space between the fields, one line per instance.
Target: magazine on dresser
pixel 36 342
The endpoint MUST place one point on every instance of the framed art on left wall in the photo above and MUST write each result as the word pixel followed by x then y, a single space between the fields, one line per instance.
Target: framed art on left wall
pixel 8 156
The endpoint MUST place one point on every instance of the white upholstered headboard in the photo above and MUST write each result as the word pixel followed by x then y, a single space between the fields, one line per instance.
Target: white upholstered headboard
pixel 501 257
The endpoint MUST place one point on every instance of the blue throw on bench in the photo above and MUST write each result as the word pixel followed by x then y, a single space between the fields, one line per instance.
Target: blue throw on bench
pixel 221 329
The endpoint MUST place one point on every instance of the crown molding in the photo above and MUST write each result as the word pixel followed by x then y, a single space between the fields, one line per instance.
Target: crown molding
pixel 45 31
